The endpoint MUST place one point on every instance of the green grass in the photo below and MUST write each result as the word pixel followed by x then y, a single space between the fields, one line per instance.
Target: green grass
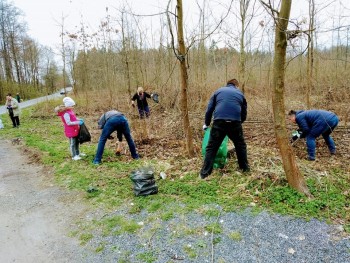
pixel 85 238
pixel 236 236
pixel 215 228
pixel 42 134
pixel 190 251
pixel 147 257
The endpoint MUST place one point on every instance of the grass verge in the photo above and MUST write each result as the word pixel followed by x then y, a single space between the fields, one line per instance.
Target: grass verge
pixel 264 189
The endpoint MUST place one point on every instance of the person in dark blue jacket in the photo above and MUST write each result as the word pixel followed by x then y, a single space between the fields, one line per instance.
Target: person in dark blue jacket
pixel 229 107
pixel 312 124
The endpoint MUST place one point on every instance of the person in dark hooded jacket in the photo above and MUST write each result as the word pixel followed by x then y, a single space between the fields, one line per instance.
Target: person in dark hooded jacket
pixel 228 107
pixel 312 124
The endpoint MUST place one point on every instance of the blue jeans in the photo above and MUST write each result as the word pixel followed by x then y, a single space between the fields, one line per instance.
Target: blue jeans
pixel 311 139
pixel 120 124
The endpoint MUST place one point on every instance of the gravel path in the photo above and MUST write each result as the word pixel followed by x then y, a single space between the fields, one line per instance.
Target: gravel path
pixel 36 218
pixel 241 237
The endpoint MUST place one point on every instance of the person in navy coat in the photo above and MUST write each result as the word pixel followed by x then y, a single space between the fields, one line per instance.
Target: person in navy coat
pixel 228 107
pixel 312 124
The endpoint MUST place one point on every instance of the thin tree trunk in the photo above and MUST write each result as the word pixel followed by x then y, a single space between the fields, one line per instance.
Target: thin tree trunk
pixel 184 80
pixel 126 57
pixel 242 54
pixel 14 55
pixel 310 53
pixel 294 177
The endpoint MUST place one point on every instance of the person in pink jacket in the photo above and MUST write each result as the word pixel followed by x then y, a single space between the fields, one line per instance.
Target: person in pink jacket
pixel 71 125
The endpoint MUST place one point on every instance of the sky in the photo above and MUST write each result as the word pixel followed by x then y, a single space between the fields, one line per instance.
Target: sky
pixel 45 16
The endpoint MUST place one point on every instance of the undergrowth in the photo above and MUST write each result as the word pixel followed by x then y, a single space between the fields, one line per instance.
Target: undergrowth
pixel 182 191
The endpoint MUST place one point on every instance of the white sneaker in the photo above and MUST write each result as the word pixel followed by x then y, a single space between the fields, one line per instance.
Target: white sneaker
pixel 82 154
pixel 76 158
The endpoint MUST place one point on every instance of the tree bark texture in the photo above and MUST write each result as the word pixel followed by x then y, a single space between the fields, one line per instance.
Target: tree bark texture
pixel 184 80
pixel 294 177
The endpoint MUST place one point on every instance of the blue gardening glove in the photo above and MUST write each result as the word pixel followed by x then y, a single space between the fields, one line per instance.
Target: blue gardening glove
pixel 9 107
pixel 81 122
pixel 205 127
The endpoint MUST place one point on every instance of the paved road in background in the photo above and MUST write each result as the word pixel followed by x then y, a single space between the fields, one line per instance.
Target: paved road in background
pixel 32 102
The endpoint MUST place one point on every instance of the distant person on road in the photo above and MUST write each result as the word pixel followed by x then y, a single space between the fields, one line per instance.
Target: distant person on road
pixel 312 124
pixel 18 98
pixel 229 107
pixel 142 105
pixel 109 122
pixel 13 110
pixel 71 126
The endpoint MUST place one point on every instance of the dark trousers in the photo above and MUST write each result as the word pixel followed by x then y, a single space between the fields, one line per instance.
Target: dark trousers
pixel 15 120
pixel 221 128
pixel 144 111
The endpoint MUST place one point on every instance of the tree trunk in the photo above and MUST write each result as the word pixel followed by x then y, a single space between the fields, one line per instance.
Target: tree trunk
pixel 310 53
pixel 125 53
pixel 184 81
pixel 294 177
pixel 242 54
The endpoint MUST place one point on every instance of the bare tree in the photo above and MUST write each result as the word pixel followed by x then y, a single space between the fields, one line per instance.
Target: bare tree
pixel 294 177
pixel 181 53
pixel 245 21
pixel 125 51
pixel 310 53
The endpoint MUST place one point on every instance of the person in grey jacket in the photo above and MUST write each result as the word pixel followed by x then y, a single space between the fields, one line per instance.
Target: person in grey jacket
pixel 229 107
pixel 109 122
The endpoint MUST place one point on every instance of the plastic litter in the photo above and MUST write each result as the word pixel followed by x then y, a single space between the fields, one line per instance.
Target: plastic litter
pixel 221 155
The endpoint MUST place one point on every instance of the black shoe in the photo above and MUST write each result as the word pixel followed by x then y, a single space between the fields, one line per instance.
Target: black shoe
pixel 203 177
pixel 245 170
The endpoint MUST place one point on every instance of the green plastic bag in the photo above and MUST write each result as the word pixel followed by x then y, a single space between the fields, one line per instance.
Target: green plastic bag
pixel 221 155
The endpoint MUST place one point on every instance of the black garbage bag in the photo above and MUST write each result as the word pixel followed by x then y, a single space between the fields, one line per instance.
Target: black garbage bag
pixel 144 182
pixel 84 134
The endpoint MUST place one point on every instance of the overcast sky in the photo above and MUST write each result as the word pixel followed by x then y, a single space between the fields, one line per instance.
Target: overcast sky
pixel 44 16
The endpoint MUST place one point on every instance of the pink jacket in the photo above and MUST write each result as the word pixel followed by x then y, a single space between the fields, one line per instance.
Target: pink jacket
pixel 69 130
